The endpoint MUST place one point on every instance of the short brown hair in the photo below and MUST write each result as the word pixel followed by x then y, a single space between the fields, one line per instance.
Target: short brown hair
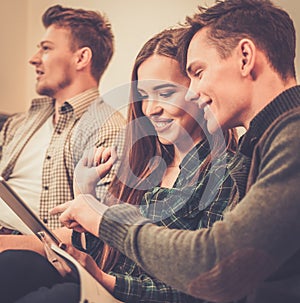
pixel 88 29
pixel 228 21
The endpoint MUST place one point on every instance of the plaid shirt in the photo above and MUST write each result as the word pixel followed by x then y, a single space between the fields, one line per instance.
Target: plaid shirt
pixel 76 130
pixel 195 201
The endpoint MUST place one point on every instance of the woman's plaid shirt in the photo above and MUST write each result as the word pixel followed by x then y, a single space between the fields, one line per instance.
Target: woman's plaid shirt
pixel 192 203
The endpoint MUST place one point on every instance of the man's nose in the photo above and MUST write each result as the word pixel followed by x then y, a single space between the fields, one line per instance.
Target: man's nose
pixel 191 95
pixel 36 58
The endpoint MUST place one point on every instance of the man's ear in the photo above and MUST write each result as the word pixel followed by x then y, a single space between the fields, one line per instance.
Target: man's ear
pixel 247 53
pixel 83 57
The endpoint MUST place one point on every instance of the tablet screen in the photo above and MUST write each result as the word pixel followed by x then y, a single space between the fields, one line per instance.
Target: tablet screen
pixel 24 212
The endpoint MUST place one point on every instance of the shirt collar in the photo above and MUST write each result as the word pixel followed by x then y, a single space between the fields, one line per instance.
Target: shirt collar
pixel 42 102
pixel 284 102
pixel 194 158
pixel 78 104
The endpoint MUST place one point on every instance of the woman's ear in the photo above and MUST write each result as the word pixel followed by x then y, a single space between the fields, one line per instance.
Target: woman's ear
pixel 247 52
pixel 83 57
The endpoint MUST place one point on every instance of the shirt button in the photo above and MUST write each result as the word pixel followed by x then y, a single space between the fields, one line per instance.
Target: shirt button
pixel 59 132
pixel 48 157
pixel 45 220
pixel 46 187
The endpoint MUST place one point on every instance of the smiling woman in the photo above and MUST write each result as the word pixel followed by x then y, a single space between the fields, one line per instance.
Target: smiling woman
pixel 172 169
pixel 175 121
pixel 167 169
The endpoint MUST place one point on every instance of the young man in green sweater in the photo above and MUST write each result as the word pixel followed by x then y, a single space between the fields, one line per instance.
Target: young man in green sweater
pixel 240 58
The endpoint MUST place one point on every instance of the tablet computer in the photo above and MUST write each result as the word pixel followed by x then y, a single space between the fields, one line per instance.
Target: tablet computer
pixel 91 290
pixel 24 212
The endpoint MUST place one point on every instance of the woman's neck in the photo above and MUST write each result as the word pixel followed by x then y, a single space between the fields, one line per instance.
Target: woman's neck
pixel 173 170
pixel 181 150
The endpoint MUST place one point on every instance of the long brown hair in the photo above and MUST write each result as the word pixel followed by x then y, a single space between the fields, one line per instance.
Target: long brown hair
pixel 144 154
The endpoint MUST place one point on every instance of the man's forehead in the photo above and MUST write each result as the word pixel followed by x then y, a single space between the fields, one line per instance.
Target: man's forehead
pixel 198 44
pixel 199 39
pixel 194 49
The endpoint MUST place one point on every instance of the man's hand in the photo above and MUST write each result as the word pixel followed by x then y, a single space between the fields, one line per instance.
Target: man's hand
pixel 84 213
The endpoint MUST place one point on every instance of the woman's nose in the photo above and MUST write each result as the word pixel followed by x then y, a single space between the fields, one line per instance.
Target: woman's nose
pixel 151 107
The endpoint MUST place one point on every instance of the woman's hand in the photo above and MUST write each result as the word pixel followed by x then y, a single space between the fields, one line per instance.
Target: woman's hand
pixel 95 164
pixel 91 266
pixel 86 261
pixel 84 213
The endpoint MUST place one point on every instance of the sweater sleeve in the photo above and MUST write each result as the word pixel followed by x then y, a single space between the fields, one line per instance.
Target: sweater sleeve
pixel 236 255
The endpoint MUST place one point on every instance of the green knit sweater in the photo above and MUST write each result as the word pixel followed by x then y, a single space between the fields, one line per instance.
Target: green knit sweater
pixel 253 255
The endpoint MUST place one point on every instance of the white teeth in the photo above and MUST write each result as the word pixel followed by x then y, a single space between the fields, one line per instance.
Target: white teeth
pixel 206 108
pixel 161 124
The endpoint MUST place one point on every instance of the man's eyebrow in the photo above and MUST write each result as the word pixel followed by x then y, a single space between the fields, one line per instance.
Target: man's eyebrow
pixel 190 68
pixel 44 42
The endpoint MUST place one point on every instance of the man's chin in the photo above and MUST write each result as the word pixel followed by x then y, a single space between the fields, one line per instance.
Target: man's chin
pixel 43 91
pixel 213 126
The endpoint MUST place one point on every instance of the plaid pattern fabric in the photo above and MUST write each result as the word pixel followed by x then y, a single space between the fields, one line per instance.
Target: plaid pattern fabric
pixel 100 125
pixel 195 201
pixel 70 137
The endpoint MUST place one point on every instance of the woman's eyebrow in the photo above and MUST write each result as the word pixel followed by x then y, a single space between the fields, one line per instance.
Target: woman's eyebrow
pixel 164 86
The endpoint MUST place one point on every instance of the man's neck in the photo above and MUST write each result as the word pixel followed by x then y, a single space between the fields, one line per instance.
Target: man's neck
pixel 62 98
pixel 267 92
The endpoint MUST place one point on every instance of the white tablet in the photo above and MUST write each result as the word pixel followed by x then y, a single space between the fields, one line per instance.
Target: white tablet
pixel 24 212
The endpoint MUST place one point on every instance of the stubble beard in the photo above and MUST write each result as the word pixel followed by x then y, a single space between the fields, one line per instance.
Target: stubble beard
pixel 51 91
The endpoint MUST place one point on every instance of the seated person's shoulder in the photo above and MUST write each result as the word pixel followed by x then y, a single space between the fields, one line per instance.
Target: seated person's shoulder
pixel 10 123
pixel 3 118
pixel 281 140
